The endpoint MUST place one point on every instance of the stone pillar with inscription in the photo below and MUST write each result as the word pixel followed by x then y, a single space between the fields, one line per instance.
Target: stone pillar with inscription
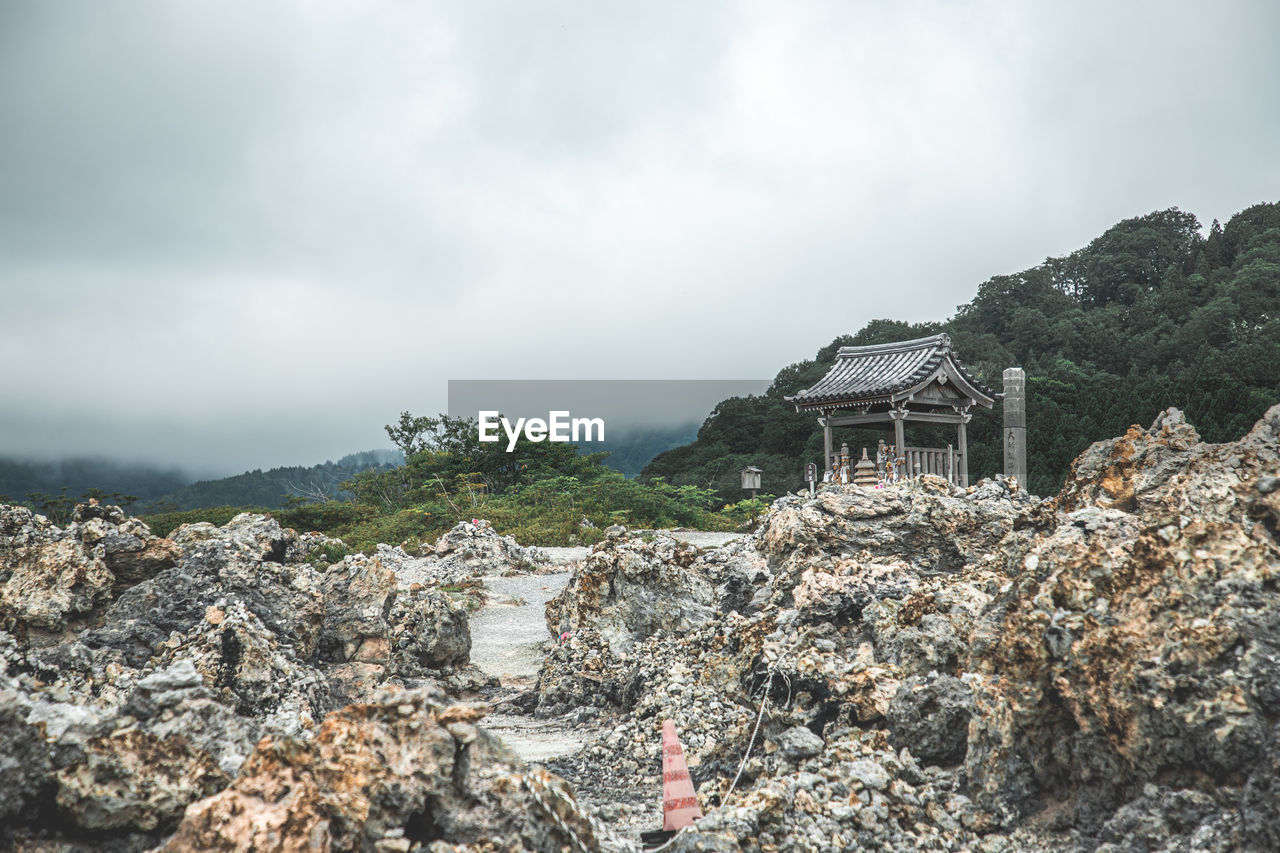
pixel 1015 424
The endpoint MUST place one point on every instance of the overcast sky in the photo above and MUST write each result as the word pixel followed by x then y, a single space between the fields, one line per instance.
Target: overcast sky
pixel 240 235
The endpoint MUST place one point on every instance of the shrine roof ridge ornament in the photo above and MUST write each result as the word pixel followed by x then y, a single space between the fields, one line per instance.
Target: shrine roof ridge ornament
pixel 893 372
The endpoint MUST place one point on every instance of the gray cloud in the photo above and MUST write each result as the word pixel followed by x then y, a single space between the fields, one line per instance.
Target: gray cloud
pixel 242 235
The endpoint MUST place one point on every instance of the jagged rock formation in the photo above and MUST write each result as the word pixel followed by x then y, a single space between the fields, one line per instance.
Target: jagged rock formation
pixel 476 544
pixel 629 587
pixel 137 673
pixel 468 552
pixel 404 769
pixel 1140 642
pixel 918 667
pixel 929 525
pixel 982 669
pixel 49 577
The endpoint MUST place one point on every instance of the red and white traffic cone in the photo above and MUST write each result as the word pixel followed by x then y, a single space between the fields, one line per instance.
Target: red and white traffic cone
pixel 679 802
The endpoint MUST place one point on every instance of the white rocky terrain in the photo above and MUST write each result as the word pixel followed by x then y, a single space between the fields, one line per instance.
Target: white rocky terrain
pixel 914 668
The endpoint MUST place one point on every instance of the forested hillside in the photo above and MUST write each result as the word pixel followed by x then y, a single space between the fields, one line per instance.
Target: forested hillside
pixel 1150 314
pixel 54 487
pixel 20 478
pixel 273 488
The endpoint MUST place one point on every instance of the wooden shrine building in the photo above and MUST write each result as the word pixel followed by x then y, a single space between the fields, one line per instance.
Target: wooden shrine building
pixel 903 383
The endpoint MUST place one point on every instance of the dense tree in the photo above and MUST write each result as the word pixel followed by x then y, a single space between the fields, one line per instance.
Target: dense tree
pixel 275 487
pixel 46 486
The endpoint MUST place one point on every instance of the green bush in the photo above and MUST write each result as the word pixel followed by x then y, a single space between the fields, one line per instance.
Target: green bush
pixel 746 512
pixel 540 495
pixel 164 523
pixel 407 527
pixel 327 554
pixel 324 517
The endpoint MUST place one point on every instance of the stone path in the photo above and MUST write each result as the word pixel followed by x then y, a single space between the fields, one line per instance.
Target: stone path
pixel 509 634
pixel 704 538
pixel 565 555
pixel 509 637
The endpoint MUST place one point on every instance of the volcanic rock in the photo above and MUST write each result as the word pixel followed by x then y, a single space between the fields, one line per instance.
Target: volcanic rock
pixel 930 716
pixel 25 763
pixel 404 766
pixel 927 523
pixel 629 587
pixel 132 779
pixel 140 672
pixel 49 576
pixel 428 631
pixel 987 671
pixel 358 595
pixel 474 548
pixel 460 557
pixel 798 742
pixel 1139 641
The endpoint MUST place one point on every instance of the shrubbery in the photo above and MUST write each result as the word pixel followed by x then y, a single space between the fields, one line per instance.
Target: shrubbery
pixel 541 493
pixel 164 523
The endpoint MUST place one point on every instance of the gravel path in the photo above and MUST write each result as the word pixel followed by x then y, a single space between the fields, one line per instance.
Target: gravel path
pixel 509 633
pixel 563 555
pixel 704 538
pixel 509 637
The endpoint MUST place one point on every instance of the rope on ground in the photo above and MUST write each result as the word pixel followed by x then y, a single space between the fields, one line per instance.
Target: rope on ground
pixel 602 833
pixel 764 700
pixel 538 790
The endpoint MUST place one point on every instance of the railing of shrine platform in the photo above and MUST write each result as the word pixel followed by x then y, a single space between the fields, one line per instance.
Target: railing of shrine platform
pixel 942 461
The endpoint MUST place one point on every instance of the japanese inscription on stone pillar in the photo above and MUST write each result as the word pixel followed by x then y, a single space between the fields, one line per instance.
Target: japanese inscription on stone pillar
pixel 1015 424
